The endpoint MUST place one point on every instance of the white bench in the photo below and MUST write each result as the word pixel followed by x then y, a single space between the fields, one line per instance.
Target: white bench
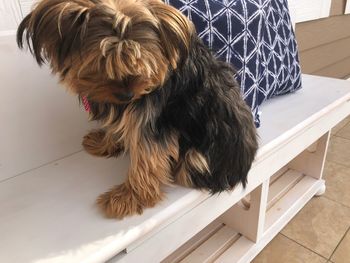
pixel 48 185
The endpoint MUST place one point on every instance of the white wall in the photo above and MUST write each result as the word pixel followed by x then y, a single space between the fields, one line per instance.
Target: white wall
pixel 39 120
pixel 10 16
pixel 26 5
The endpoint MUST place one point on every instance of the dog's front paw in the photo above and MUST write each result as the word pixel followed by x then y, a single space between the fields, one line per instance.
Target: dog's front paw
pixel 95 144
pixel 119 202
pixel 92 143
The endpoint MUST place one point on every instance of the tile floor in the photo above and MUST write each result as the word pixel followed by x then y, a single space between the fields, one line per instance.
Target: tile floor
pixel 320 232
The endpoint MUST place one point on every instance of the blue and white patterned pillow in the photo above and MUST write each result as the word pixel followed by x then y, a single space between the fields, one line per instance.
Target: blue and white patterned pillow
pixel 256 36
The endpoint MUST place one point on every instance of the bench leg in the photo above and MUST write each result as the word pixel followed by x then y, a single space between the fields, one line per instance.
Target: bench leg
pixel 249 221
pixel 311 161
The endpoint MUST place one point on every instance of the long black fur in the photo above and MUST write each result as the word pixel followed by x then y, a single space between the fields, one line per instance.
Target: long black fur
pixel 202 102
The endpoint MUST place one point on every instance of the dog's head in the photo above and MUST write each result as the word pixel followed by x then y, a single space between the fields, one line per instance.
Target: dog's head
pixel 108 50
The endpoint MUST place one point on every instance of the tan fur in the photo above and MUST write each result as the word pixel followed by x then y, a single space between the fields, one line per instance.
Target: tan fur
pixel 98 144
pixel 150 168
pixel 181 175
pixel 197 161
pixel 194 161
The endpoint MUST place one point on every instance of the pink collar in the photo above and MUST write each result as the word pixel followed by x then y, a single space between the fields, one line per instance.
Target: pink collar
pixel 86 104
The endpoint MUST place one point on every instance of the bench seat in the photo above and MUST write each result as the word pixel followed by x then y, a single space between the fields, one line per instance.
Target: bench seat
pixel 48 213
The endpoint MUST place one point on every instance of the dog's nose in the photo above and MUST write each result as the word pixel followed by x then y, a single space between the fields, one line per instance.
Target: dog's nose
pixel 124 96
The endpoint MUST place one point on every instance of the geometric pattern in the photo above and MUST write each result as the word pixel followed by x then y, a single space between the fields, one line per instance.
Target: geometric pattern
pixel 256 37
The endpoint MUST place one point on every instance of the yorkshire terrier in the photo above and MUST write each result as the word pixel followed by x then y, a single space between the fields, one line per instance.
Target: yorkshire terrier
pixel 158 92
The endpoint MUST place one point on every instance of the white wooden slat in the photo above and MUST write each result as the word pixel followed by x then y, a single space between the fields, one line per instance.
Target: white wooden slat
pixel 302 10
pixel 10 16
pixel 281 186
pixel 213 247
pixel 40 121
pixel 195 242
pixel 278 174
pixel 235 253
pixel 5 33
pixel 26 6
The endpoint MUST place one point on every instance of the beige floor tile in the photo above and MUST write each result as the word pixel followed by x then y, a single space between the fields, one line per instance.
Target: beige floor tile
pixel 320 225
pixel 344 132
pixel 342 254
pixel 340 125
pixel 339 151
pixel 337 178
pixel 282 249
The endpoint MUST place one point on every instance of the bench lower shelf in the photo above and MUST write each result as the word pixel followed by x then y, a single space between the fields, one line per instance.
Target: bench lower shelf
pixel 221 243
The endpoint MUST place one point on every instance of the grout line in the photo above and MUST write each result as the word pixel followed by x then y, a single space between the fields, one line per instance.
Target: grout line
pixel 345 124
pixel 346 232
pixel 331 161
pixel 347 166
pixel 303 246
pixel 339 136
pixel 35 168
pixel 324 196
pixel 335 200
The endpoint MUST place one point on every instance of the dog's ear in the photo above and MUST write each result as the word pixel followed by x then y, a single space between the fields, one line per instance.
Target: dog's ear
pixel 175 31
pixel 55 28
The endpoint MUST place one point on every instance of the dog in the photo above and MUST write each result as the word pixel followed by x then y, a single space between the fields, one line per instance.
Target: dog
pixel 157 91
